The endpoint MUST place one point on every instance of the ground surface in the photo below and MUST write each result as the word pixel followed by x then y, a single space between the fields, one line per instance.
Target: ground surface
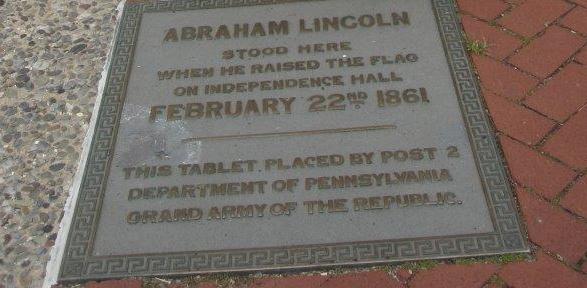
pixel 531 57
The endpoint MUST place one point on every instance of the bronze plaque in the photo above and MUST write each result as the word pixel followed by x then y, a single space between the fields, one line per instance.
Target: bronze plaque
pixel 268 134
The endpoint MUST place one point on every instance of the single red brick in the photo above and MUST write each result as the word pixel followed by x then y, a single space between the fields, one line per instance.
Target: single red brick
pixel 576 199
pixel 126 283
pixel 545 54
pixel 545 272
pixel 531 169
pixel 502 79
pixel 486 9
pixel 534 15
pixel 569 144
pixel 313 281
pixel 499 43
pixel 582 56
pixel 452 276
pixel 552 228
pixel 516 120
pixel 373 279
pixel 563 94
pixel 577 20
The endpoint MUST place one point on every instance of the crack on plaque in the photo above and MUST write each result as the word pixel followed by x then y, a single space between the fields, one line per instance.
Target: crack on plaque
pixel 292 133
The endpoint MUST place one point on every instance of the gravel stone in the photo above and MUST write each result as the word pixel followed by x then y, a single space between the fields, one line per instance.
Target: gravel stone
pixel 47 228
pixel 56 167
pixel 23 78
pixel 78 48
pixel 51 59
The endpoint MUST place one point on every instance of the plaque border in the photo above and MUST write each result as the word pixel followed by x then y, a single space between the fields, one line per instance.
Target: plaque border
pixel 78 264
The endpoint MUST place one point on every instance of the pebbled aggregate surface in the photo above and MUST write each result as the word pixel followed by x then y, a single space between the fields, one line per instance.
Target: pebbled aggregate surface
pixel 52 54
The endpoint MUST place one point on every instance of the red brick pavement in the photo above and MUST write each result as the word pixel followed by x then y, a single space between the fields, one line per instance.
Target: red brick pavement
pixel 576 20
pixel 576 199
pixel 571 84
pixel 582 57
pixel 541 116
pixel 552 228
pixel 545 272
pixel 530 17
pixel 453 276
pixel 569 143
pixel 534 77
pixel 527 125
pixel 529 168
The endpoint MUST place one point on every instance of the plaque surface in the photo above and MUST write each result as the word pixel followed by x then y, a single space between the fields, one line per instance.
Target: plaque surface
pixel 265 134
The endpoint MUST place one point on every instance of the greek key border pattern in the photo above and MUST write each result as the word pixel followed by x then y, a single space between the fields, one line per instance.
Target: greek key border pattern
pixel 483 142
pixel 78 264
